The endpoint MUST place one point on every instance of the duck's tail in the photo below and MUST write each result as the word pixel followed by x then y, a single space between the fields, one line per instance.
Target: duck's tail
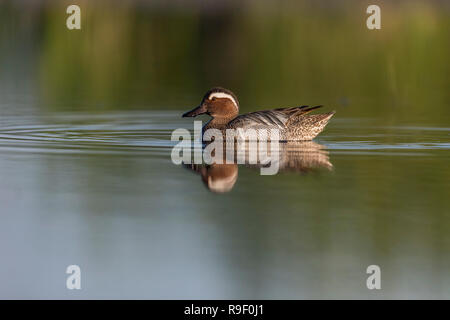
pixel 307 127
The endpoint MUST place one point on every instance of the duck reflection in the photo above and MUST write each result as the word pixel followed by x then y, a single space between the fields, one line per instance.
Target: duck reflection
pixel 295 157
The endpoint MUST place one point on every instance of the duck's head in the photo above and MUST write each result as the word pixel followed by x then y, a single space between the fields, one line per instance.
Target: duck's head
pixel 218 103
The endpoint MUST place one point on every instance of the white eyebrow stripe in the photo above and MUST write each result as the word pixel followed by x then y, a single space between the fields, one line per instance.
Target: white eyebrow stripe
pixel 222 95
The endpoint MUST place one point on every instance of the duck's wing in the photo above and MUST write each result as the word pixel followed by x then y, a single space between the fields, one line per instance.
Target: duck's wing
pixel 275 119
pixel 260 119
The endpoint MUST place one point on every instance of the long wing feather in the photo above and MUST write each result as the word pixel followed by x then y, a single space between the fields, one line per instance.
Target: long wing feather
pixel 276 118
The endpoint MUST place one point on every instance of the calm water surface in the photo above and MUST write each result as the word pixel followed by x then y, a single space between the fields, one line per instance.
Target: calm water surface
pixel 101 191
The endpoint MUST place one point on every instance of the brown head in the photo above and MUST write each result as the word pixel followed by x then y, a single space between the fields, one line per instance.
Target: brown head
pixel 219 103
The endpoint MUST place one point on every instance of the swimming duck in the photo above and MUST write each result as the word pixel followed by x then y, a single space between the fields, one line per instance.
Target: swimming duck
pixel 294 124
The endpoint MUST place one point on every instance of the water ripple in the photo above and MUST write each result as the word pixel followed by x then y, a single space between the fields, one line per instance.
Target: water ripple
pixel 149 132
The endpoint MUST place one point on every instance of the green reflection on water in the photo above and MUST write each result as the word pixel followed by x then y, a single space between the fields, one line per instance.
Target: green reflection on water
pixel 271 55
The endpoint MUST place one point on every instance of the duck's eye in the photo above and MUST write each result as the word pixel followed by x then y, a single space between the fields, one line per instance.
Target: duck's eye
pixel 213 99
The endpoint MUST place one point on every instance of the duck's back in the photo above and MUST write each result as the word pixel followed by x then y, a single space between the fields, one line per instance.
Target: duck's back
pixel 294 124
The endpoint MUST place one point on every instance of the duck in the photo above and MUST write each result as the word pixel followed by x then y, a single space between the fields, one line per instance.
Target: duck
pixel 292 123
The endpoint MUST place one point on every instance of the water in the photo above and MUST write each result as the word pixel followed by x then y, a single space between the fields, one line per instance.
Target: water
pixel 86 176
pixel 100 190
